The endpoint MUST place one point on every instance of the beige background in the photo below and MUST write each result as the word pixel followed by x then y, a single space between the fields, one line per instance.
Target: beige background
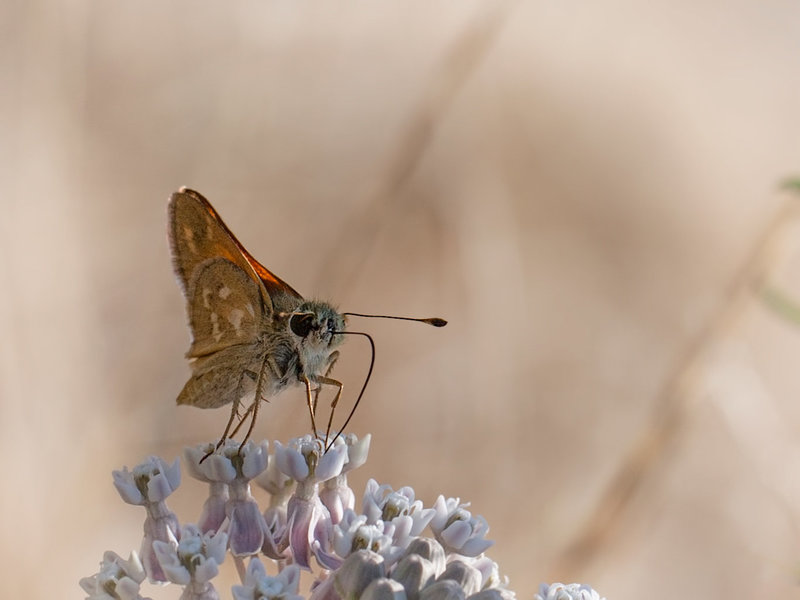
pixel 582 188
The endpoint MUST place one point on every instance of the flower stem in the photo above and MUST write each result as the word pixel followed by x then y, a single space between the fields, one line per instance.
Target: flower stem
pixel 240 567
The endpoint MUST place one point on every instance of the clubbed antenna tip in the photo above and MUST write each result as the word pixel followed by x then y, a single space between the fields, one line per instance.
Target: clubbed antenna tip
pixel 435 321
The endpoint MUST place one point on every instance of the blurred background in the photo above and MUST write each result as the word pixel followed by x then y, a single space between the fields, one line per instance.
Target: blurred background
pixel 589 192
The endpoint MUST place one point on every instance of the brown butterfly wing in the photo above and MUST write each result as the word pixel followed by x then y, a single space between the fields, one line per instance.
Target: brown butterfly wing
pixel 230 298
pixel 224 307
pixel 223 377
pixel 197 233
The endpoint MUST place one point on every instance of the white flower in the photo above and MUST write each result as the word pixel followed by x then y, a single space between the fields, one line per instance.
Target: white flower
pixel 304 459
pixel 234 465
pixel 148 484
pixel 234 460
pixel 381 554
pixel 336 495
pixel 280 487
pixel 494 594
pixel 260 586
pixel 307 530
pixel 490 572
pixel 213 515
pixel 353 533
pixel 381 503
pixel 118 579
pixel 569 591
pixel 196 558
pixel 275 481
pixel 357 450
pixel 457 530
pixel 151 481
pixel 307 520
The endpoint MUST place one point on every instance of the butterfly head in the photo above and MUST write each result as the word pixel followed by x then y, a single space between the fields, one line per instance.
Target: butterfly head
pixel 316 328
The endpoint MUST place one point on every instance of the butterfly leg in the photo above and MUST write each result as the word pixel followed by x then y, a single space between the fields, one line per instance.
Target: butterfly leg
pixel 251 412
pixel 253 408
pixel 234 413
pixel 312 404
pixel 242 419
pixel 331 361
pixel 340 387
pixel 254 404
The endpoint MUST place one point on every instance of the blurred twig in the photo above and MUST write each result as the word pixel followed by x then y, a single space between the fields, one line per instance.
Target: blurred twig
pixel 792 184
pixel 671 403
pixel 780 303
pixel 458 64
pixel 774 298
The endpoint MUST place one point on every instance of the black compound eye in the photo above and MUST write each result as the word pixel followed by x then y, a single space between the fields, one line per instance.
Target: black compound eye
pixel 301 324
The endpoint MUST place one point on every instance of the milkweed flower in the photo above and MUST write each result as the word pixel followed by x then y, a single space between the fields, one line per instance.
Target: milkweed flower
pixel 407 516
pixel 149 484
pixel 569 591
pixel 280 488
pixel 457 530
pixel 308 522
pixel 193 561
pixel 388 546
pixel 336 495
pixel 260 586
pixel 354 533
pixel 213 514
pixel 234 466
pixel 490 572
pixel 305 460
pixel 118 579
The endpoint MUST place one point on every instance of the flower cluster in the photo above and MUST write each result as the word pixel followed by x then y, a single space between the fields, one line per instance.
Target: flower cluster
pixel 377 552
pixel 570 591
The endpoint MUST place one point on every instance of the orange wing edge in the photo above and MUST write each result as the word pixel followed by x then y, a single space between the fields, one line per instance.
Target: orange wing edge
pixel 271 282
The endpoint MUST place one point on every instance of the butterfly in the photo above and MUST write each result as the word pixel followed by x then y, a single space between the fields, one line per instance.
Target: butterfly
pixel 253 335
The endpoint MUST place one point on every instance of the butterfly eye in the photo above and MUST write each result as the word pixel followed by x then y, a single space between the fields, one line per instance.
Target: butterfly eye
pixel 301 324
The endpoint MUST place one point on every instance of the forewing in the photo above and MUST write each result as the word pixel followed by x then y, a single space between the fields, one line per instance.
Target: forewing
pixel 197 232
pixel 224 307
pixel 222 377
pixel 283 296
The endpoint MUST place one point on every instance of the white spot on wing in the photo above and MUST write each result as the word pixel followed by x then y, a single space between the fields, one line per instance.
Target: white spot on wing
pixel 215 330
pixel 250 309
pixel 224 292
pixel 235 317
pixel 207 298
pixel 188 236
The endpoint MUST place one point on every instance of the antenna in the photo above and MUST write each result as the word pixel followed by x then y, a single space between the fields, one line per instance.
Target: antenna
pixel 435 321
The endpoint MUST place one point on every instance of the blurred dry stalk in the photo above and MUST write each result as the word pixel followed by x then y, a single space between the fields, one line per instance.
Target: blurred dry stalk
pixel 670 410
pixel 457 65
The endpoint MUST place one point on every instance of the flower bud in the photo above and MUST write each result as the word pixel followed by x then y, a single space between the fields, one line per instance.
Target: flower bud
pixel 357 572
pixel 383 589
